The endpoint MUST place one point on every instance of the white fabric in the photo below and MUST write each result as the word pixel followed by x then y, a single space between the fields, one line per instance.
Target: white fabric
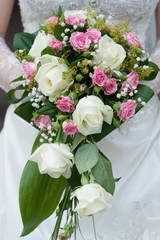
pixel 133 150
pixel 10 67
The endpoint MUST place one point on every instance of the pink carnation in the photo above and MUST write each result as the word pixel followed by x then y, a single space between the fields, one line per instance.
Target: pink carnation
pixel 110 86
pixel 69 128
pixel 65 104
pixel 80 41
pixel 29 68
pixel 52 20
pixel 56 45
pixel 94 34
pixel 127 110
pixel 98 77
pixel 43 122
pixel 75 20
pixel 132 81
pixel 132 39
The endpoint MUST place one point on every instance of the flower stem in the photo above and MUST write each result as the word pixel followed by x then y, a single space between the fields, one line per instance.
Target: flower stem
pixel 59 134
pixel 95 235
pixel 75 220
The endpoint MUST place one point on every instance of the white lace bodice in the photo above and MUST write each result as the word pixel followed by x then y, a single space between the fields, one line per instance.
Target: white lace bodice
pixel 138 12
pixel 34 12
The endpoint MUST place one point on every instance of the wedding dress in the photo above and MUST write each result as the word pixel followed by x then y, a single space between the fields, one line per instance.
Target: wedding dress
pixel 134 150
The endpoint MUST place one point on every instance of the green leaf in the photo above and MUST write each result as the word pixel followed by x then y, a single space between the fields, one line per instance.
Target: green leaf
pixel 86 157
pixel 104 32
pixel 50 51
pixel 18 79
pixel 62 18
pixel 63 138
pixel 39 196
pixel 75 179
pixel 54 14
pixel 116 106
pixel 68 203
pixel 60 12
pixel 154 71
pixel 102 172
pixel 117 179
pixel 29 58
pixel 12 99
pixel 24 40
pixel 48 109
pixel 58 30
pixel 25 111
pixel 145 93
pixel 78 138
pixel 116 122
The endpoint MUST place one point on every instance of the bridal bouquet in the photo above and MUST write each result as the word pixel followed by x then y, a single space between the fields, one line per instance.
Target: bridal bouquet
pixel 81 80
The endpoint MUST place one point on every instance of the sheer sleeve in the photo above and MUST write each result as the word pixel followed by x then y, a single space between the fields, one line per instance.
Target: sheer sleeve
pixel 10 67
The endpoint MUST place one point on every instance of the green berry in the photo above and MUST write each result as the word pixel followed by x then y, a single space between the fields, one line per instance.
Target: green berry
pixel 73 95
pixel 56 126
pixel 79 77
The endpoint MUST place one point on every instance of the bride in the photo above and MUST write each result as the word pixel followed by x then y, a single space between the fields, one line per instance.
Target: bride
pixel 133 150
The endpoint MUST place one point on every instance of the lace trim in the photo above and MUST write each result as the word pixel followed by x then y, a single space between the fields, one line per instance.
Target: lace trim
pixel 137 12
pixel 143 224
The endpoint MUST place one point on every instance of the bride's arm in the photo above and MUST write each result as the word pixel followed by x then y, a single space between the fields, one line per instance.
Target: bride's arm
pixel 10 68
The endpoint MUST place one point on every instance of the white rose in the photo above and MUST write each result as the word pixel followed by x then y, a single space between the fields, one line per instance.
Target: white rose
pixel 41 42
pixel 50 76
pixel 83 14
pixel 53 159
pixel 92 198
pixel 109 54
pixel 90 113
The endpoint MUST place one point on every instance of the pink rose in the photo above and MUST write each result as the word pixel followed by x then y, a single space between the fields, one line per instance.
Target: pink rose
pixel 56 45
pixel 98 77
pixel 69 128
pixel 110 86
pixel 29 68
pixel 132 39
pixel 80 41
pixel 94 34
pixel 127 110
pixel 65 104
pixel 43 122
pixel 52 20
pixel 75 20
pixel 132 81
